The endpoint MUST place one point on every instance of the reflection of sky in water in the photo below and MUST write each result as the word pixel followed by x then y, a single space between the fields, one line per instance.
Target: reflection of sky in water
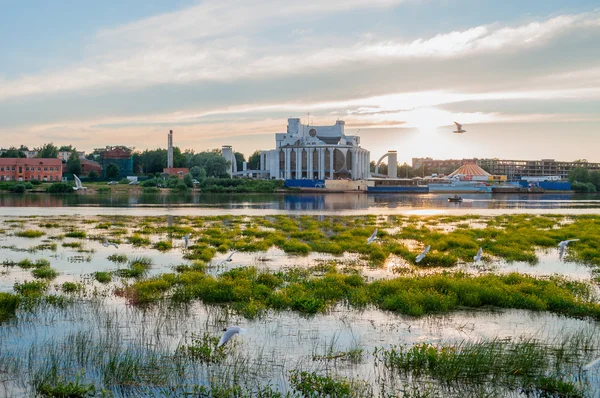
pixel 262 204
pixel 281 341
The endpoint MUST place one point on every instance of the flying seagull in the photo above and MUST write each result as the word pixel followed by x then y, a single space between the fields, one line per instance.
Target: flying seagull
pixel 459 129
pixel 422 255
pixel 229 333
pixel 372 237
pixel 107 243
pixel 477 257
pixel 78 184
pixel 563 245
pixel 187 239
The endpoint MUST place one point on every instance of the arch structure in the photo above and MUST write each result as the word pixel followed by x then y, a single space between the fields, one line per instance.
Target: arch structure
pixel 315 153
pixel 392 157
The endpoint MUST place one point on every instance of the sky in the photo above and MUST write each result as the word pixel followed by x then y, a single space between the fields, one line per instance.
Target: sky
pixel 523 77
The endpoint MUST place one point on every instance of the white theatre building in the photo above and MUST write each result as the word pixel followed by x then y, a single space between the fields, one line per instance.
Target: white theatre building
pixel 315 152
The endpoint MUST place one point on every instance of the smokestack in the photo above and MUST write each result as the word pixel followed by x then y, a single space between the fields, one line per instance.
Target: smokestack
pixel 170 150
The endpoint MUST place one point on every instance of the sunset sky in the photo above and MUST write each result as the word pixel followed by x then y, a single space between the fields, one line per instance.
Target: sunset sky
pixel 523 77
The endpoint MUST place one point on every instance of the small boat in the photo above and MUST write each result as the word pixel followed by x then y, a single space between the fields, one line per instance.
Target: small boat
pixel 455 199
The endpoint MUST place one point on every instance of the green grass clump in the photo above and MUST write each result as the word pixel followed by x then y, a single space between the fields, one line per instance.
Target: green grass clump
pixel 163 245
pixel 30 233
pixel 64 389
pixel 311 384
pixel 102 277
pixel 30 288
pixel 76 234
pixel 203 349
pixel 138 241
pixel 44 273
pixel 27 263
pixel 294 246
pixel 71 287
pixel 72 244
pixel 8 305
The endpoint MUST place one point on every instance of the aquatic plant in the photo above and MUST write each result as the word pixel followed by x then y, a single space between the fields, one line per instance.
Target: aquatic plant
pixel 44 273
pixel 163 245
pixel 76 234
pixel 102 276
pixel 117 258
pixel 30 233
pixel 8 305
pixel 30 288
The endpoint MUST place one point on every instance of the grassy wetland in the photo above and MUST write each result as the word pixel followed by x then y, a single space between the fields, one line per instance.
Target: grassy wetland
pixel 326 313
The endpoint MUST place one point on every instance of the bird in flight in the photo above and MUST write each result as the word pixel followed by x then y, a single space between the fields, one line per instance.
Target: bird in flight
pixel 107 243
pixel 422 255
pixel 477 257
pixel 563 245
pixel 229 333
pixel 78 185
pixel 187 239
pixel 459 129
pixel 372 237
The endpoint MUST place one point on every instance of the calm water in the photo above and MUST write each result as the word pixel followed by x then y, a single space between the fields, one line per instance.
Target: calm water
pixel 261 204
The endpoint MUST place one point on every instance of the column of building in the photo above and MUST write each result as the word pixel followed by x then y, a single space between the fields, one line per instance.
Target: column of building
pixel 321 163
pixel 309 161
pixel 299 162
pixel 331 155
pixel 288 168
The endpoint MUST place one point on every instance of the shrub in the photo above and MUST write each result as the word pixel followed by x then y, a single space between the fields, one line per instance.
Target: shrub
pixel 60 187
pixel 18 188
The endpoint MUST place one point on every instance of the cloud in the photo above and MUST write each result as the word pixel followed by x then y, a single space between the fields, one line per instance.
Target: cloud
pixel 225 42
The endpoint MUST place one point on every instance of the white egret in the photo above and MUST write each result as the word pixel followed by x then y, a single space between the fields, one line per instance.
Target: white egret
pixel 228 259
pixel 78 185
pixel 107 243
pixel 372 237
pixel 592 364
pixel 477 257
pixel 187 239
pixel 229 333
pixel 563 245
pixel 422 255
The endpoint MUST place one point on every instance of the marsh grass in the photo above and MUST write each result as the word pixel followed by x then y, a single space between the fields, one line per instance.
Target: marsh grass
pixel 28 264
pixel 47 273
pixel 31 288
pixel 75 245
pixel 137 240
pixel 118 258
pixel 30 233
pixel 76 234
pixel 163 245
pixel 8 305
pixel 204 349
pixel 527 365
pixel 102 276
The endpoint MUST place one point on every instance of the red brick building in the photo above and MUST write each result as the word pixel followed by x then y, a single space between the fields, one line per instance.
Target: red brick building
pixel 177 171
pixel 23 169
pixel 89 165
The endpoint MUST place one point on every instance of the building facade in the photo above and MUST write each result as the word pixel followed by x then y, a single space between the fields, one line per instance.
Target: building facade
pixel 315 152
pixel 513 169
pixel 24 169
pixel 87 166
pixel 119 155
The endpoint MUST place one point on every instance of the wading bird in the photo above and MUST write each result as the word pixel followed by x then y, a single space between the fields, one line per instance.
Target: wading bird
pixel 229 333
pixel 422 255
pixel 563 245
pixel 228 259
pixel 187 239
pixel 107 243
pixel 459 129
pixel 372 237
pixel 78 185
pixel 592 364
pixel 477 257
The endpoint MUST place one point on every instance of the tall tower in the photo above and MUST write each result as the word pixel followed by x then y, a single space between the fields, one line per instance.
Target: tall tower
pixel 170 151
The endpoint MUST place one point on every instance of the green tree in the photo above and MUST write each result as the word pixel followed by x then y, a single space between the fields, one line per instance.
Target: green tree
pixel 212 162
pixel 579 174
pixel 92 175
pixel 47 151
pixel 112 171
pixel 594 177
pixel 13 152
pixel 254 161
pixel 239 160
pixel 74 164
pixel 198 173
pixel 187 179
pixel 65 148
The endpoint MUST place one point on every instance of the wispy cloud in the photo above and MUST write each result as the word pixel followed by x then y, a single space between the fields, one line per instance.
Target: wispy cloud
pixel 205 44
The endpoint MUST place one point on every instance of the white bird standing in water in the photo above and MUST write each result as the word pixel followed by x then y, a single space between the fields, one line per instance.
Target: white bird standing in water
pixel 422 255
pixel 187 239
pixel 78 184
pixel 592 364
pixel 229 333
pixel 477 257
pixel 563 245
pixel 107 243
pixel 372 237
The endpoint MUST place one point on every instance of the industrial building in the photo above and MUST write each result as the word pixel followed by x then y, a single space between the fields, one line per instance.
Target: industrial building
pixel 170 170
pixel 513 169
pixel 315 152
